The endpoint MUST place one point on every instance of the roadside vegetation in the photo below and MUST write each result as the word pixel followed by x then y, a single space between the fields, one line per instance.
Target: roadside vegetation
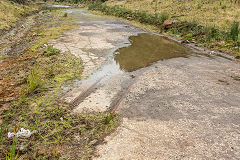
pixel 31 79
pixel 212 24
pixel 31 82
pixel 80 1
pixel 11 12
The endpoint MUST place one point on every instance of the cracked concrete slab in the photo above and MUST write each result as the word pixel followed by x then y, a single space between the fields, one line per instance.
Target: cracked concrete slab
pixel 94 42
pixel 179 108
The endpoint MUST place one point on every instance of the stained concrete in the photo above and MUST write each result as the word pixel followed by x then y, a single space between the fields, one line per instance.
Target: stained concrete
pixel 178 108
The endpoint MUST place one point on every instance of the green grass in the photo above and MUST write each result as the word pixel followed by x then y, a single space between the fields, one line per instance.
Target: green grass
pixel 3 57
pixel 12 155
pixel 49 51
pixel 163 16
pixel 65 15
pixel 234 31
pixel 33 81
pixel 61 135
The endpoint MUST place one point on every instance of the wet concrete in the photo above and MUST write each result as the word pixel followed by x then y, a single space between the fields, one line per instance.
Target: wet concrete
pixel 95 42
pixel 180 106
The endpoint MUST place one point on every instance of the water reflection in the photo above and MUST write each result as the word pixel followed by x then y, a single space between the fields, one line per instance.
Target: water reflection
pixel 147 48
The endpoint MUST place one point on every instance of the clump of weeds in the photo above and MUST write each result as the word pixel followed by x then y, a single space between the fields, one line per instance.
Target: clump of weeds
pixel 109 118
pixel 3 57
pixel 49 51
pixel 234 31
pixel 34 81
pixel 13 155
pixel 188 37
pixel 163 16
pixel 50 72
pixel 65 15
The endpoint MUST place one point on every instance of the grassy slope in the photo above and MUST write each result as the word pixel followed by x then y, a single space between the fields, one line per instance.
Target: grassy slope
pixel 207 23
pixel 219 14
pixel 11 12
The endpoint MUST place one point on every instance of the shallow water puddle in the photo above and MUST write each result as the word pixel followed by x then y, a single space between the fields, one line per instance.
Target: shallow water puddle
pixel 60 6
pixel 147 48
pixel 144 49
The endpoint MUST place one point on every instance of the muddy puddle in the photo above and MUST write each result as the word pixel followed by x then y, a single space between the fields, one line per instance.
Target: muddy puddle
pixel 146 49
pixel 114 47
pixel 142 50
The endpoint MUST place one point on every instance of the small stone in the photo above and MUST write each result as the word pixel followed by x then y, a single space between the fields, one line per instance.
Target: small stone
pixel 77 137
pixel 211 52
pixel 169 23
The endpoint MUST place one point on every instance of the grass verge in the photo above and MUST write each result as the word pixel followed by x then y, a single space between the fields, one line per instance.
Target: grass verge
pixel 225 40
pixel 38 73
pixel 59 134
pixel 11 12
pixel 219 14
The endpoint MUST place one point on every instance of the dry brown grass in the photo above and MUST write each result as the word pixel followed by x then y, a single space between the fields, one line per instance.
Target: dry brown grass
pixel 217 13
